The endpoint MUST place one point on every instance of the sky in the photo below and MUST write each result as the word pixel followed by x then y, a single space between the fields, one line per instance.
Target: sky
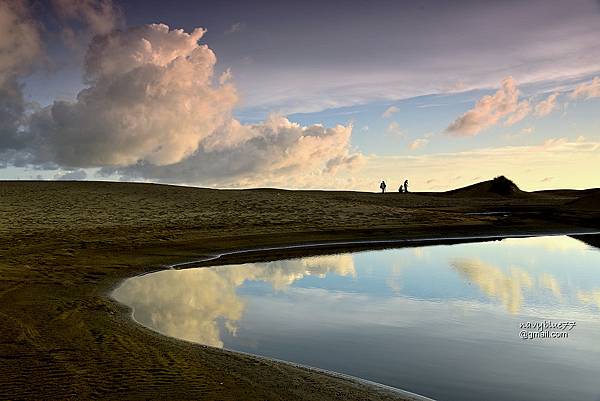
pixel 301 94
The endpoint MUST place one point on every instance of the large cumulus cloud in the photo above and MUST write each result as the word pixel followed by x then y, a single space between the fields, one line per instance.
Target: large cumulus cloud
pixel 154 109
pixel 150 98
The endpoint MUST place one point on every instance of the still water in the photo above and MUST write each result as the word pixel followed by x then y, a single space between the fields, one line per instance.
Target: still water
pixel 443 321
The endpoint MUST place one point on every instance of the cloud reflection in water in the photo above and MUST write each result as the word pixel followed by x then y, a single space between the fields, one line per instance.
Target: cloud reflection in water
pixel 189 304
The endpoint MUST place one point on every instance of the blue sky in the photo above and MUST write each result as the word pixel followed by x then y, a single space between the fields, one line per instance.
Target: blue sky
pixel 431 114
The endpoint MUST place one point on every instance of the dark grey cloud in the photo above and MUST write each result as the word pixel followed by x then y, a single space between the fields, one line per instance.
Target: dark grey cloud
pixel 12 111
pixel 20 49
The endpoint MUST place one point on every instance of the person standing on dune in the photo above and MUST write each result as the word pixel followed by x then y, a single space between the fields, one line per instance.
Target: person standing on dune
pixel 382 186
pixel 405 186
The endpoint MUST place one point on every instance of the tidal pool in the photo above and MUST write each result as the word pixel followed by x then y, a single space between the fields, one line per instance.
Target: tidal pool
pixel 444 321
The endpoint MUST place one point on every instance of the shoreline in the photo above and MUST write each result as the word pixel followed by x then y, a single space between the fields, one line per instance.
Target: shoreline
pixel 331 246
pixel 392 243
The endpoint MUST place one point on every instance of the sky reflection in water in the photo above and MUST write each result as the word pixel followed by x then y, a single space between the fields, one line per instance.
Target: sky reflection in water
pixel 442 321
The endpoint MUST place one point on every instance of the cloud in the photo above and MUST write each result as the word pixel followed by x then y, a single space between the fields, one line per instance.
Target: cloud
pixel 99 17
pixel 276 151
pixel 418 143
pixel 153 110
pixel 72 176
pixel 189 304
pixel 12 109
pixel 389 111
pixel 236 27
pixel 553 143
pixel 494 282
pixel 20 49
pixel 393 128
pixel 523 109
pixel 587 90
pixel 550 282
pixel 546 107
pixel 150 98
pixel 589 297
pixel 20 44
pixel 490 109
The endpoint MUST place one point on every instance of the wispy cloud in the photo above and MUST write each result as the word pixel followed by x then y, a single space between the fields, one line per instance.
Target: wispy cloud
pixel 587 90
pixel 393 128
pixel 390 111
pixel 76 175
pixel 522 110
pixel 546 106
pixel 418 143
pixel 236 27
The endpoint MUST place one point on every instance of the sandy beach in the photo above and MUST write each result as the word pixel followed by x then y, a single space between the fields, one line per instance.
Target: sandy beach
pixel 65 245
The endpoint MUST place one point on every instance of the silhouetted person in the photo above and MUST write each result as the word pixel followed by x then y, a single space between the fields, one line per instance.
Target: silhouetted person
pixel 406 186
pixel 400 189
pixel 382 186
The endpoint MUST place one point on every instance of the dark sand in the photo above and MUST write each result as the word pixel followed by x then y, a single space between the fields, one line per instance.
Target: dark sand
pixel 65 245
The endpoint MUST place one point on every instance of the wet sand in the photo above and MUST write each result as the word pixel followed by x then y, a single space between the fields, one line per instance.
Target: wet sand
pixel 65 245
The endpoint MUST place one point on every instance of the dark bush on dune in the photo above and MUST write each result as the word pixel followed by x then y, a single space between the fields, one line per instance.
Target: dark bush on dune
pixel 498 186
pixel 503 186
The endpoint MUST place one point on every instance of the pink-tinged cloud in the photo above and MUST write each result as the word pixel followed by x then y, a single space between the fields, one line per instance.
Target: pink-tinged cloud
pixel 151 98
pixel 587 90
pixel 546 106
pixel 523 109
pixel 490 109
